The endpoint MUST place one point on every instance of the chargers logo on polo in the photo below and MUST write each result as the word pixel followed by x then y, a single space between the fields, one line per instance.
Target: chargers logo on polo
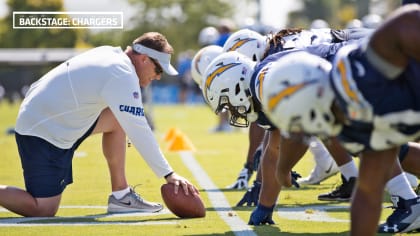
pixel 136 111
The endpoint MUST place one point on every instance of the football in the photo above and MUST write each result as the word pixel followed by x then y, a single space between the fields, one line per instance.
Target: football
pixel 183 206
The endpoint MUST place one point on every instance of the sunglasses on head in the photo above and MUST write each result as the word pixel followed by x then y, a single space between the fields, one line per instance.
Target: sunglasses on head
pixel 158 68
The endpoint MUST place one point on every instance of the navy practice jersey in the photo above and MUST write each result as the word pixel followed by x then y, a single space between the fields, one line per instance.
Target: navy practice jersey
pixel 325 50
pixel 383 112
pixel 255 85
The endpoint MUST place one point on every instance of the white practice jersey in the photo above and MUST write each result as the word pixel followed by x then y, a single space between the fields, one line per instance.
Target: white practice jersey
pixel 62 105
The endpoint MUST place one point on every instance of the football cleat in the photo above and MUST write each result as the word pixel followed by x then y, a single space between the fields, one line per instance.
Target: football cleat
pixel 318 174
pixel 294 177
pixel 342 193
pixel 405 218
pixel 131 202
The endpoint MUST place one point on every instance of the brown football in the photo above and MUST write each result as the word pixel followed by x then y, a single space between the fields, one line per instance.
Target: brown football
pixel 183 206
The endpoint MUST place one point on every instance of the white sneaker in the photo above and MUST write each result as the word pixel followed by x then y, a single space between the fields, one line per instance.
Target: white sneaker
pixel 318 174
pixel 131 202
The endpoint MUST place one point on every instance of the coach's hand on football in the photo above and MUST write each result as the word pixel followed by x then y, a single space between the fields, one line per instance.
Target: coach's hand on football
pixel 182 182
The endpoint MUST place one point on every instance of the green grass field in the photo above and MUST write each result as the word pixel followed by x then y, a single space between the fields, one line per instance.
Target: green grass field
pixel 219 155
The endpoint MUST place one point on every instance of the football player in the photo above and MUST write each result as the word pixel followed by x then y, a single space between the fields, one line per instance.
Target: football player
pixel 231 89
pixel 368 98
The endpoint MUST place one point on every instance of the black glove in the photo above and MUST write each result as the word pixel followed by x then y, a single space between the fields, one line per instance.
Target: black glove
pixel 295 176
pixel 251 196
pixel 262 215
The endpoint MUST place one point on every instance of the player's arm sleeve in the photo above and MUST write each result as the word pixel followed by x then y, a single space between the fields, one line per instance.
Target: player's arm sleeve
pixel 123 97
pixel 350 34
pixel 328 50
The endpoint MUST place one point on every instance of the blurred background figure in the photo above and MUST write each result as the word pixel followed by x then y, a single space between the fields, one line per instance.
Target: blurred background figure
pixel 24 90
pixel 186 83
pixel 208 36
pixel 211 35
pixel 371 21
pixel 225 29
pixel 319 24
pixel 257 26
pixel 217 36
pixel 354 23
pixel 2 92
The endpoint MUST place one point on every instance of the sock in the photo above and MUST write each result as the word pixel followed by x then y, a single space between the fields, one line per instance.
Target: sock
pixel 121 193
pixel 399 186
pixel 412 180
pixel 349 170
pixel 321 155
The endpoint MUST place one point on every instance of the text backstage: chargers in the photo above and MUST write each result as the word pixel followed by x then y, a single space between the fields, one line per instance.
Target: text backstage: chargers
pixel 67 22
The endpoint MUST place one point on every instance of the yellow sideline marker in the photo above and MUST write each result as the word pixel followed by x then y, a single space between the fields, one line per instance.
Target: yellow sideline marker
pixel 172 132
pixel 178 141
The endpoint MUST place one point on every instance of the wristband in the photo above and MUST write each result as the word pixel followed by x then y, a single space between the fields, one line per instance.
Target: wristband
pixel 170 173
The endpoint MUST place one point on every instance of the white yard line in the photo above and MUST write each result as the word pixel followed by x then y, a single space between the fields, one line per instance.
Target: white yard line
pixel 86 224
pixel 77 220
pixel 217 198
pixel 311 213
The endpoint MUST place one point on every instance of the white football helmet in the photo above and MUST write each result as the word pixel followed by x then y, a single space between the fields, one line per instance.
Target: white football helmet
pixel 248 42
pixel 371 21
pixel 319 24
pixel 201 60
pixel 297 96
pixel 226 86
pixel 208 35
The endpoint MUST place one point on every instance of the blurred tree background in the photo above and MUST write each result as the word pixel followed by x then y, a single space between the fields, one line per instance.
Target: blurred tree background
pixel 29 38
pixel 179 20
pixel 339 12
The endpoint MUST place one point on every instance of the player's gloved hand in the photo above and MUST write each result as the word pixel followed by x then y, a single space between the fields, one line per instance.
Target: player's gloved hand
pixel 295 176
pixel 252 195
pixel 243 178
pixel 262 215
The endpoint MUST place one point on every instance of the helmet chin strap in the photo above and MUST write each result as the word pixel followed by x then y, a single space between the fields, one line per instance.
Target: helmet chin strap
pixel 336 129
pixel 252 115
